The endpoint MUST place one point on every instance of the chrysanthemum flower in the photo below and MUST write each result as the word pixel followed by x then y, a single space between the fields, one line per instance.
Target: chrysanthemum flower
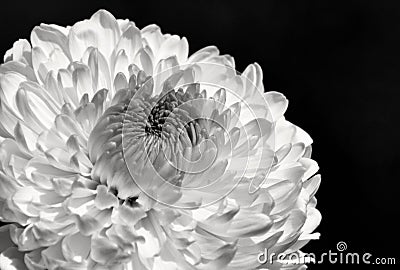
pixel 120 151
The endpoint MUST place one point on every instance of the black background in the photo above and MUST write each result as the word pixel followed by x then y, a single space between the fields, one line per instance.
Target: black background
pixel 338 63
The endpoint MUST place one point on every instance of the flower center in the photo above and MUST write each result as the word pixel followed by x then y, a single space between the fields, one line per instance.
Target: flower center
pixel 174 109
pixel 147 135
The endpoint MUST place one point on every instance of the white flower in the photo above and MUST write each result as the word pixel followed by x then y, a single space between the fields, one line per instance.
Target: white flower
pixel 119 151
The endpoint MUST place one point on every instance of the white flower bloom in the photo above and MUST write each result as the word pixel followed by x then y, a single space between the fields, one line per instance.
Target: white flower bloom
pixel 119 151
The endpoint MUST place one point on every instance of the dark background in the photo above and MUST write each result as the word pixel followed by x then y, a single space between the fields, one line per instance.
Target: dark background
pixel 338 63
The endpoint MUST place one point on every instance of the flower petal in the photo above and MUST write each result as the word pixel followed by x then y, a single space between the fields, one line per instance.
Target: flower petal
pixel 101 31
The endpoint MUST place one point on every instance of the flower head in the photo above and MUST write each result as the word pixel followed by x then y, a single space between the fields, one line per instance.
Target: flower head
pixel 120 151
